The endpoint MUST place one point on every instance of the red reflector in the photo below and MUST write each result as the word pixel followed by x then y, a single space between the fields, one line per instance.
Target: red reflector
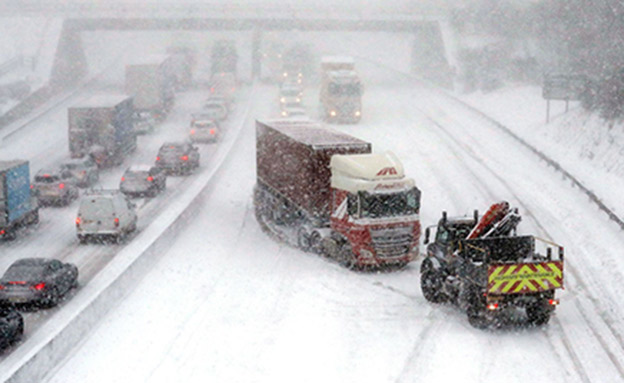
pixel 157 158
pixel 61 186
pixel 553 302
pixel 123 178
pixel 32 186
pixel 184 158
pixel 39 286
pixel 492 306
pixel 150 178
pixel 17 283
pixel 116 220
pixel 212 131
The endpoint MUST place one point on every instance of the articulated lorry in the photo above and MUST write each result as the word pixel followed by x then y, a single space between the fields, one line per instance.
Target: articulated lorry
pixel 324 191
pixel 151 83
pixel 341 91
pixel 18 205
pixel 494 275
pixel 102 127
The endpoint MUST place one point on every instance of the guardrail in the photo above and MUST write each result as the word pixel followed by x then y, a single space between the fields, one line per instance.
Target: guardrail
pixel 53 341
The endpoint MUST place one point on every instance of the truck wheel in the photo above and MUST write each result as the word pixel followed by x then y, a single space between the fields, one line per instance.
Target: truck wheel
pixel 10 234
pixel 431 283
pixel 345 256
pixel 476 310
pixel 303 239
pixel 34 219
pixel 315 240
pixel 538 313
pixel 82 239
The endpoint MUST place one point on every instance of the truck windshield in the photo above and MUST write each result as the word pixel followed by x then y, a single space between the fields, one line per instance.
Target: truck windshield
pixel 377 205
pixel 344 89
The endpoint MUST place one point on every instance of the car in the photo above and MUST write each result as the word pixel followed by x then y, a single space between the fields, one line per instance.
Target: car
pixel 55 187
pixel 84 170
pixel 292 88
pixel 11 327
pixel 37 282
pixel 144 123
pixel 224 84
pixel 290 95
pixel 105 214
pixel 293 109
pixel 214 109
pixel 203 130
pixel 143 181
pixel 178 157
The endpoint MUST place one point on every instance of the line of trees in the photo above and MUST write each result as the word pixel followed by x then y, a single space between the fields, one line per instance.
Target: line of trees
pixel 557 36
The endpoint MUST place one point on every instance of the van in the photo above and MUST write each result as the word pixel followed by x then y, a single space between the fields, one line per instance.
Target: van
pixel 105 214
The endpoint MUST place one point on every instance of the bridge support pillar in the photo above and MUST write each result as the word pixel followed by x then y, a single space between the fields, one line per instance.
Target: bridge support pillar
pixel 429 55
pixel 70 62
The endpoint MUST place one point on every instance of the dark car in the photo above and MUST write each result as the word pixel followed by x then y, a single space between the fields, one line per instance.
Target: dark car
pixel 143 181
pixel 84 170
pixel 11 327
pixel 40 282
pixel 55 187
pixel 178 157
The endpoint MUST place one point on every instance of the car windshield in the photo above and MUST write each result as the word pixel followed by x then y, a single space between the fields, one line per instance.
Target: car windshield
pixel 23 272
pixel 344 89
pixel 377 205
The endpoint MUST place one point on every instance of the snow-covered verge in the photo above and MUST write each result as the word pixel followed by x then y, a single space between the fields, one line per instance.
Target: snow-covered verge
pixel 591 149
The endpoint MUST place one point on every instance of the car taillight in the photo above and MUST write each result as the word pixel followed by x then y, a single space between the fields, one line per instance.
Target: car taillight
pixel 150 178
pixel 212 90
pixel 61 186
pixel 212 131
pixel 492 306
pixel 184 158
pixel 39 286
pixel 553 302
pixel 78 220
pixel 2 232
pixel 1 287
pixel 116 220
pixel 192 131
pixel 157 158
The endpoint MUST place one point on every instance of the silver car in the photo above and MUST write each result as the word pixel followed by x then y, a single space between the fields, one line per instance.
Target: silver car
pixel 55 187
pixel 84 171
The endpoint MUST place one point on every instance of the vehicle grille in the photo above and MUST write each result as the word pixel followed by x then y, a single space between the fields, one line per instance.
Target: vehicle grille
pixel 389 243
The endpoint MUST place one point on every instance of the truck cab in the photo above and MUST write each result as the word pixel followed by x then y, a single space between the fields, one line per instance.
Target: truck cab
pixel 374 210
pixel 341 90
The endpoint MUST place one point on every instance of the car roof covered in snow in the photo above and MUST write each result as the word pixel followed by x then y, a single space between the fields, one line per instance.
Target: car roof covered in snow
pixel 140 168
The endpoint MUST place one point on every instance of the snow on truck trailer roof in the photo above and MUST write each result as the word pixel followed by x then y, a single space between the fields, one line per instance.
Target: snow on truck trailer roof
pixel 102 101
pixel 313 134
pixel 338 59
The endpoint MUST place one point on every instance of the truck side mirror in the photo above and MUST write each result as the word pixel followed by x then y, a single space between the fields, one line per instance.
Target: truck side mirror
pixel 427 233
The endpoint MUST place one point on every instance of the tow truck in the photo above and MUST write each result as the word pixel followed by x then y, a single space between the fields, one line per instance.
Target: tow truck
pixel 484 267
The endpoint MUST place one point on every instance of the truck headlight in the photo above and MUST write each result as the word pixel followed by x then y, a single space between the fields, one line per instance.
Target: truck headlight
pixel 332 113
pixel 283 100
pixel 357 113
pixel 284 113
pixel 298 99
pixel 285 74
pixel 366 254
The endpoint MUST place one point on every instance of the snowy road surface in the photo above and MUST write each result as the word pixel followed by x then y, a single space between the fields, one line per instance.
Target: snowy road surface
pixel 228 304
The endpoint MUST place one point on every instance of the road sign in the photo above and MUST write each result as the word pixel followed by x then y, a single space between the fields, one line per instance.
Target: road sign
pixel 564 87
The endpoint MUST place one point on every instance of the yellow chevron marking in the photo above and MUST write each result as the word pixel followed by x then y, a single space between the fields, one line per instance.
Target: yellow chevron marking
pixel 546 274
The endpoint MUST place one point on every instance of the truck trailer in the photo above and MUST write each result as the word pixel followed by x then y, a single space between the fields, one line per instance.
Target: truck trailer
pixel 151 83
pixel 341 91
pixel 102 127
pixel 325 192
pixel 18 205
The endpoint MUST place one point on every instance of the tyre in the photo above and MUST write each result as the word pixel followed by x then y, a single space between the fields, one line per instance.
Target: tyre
pixel 476 311
pixel 303 239
pixel 345 256
pixel 315 240
pixel 538 313
pixel 431 284
pixel 52 298
pixel 82 239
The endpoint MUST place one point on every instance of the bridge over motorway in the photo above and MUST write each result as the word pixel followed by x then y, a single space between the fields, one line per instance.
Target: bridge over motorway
pixel 422 19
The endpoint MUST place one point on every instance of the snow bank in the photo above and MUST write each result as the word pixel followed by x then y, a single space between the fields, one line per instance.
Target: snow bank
pixel 591 149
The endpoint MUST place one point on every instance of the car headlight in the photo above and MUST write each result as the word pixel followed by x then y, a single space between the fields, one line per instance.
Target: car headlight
pixel 298 99
pixel 283 100
pixel 284 113
pixel 285 74
pixel 357 113
pixel 332 113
